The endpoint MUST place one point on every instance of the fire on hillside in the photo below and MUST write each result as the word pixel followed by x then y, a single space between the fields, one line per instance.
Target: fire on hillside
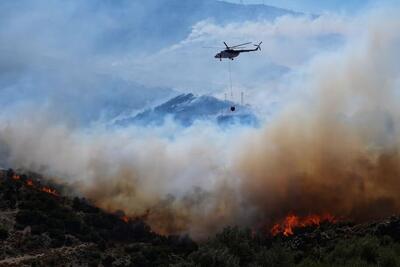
pixel 34 184
pixel 288 225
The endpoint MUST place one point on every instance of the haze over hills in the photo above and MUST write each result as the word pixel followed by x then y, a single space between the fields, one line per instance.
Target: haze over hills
pixel 188 108
pixel 123 25
pixel 154 24
pixel 101 97
pixel 74 65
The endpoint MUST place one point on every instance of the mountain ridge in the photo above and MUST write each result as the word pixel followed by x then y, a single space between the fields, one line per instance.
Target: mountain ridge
pixel 165 22
pixel 188 108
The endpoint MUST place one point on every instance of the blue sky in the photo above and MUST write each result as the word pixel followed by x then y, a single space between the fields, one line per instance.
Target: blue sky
pixel 317 6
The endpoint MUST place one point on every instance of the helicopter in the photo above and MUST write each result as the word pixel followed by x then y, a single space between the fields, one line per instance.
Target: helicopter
pixel 231 53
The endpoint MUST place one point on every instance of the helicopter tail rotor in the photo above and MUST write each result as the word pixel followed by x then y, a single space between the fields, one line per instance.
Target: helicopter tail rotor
pixel 258 46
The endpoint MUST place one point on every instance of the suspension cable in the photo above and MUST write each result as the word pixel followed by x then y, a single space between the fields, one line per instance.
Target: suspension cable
pixel 230 79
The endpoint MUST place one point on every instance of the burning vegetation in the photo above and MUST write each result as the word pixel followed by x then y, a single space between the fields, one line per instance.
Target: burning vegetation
pixel 49 191
pixel 125 218
pixel 60 231
pixel 33 184
pixel 292 222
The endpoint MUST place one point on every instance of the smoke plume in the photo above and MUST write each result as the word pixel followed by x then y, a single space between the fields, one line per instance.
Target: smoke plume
pixel 337 149
pixel 332 148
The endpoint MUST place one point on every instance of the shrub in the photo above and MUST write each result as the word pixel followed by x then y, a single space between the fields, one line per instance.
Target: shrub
pixel 238 241
pixel 214 257
pixel 82 205
pixel 277 256
pixel 182 244
pixel 39 229
pixel 28 217
pixel 73 224
pixel 3 234
pixel 343 252
pixel 312 263
pixel 58 237
pixel 388 258
pixel 34 242
pixel 108 260
pixel 98 220
pixel 369 249
pixel 138 259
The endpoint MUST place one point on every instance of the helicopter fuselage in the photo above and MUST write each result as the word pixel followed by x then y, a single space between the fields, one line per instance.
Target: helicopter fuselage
pixel 231 53
pixel 228 53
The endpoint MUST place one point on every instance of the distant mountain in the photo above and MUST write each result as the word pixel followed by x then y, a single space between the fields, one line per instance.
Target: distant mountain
pixel 100 97
pixel 126 25
pixel 109 97
pixel 153 24
pixel 188 108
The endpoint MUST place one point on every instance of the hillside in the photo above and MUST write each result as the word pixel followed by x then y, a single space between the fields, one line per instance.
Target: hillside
pixel 39 226
pixel 188 108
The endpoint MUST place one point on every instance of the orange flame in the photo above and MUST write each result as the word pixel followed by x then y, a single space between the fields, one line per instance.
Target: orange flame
pixel 276 229
pixel 291 222
pixel 49 191
pixel 29 182
pixel 125 218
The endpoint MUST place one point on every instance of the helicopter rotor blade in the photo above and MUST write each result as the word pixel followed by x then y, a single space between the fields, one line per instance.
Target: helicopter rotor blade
pixel 227 47
pixel 217 47
pixel 240 45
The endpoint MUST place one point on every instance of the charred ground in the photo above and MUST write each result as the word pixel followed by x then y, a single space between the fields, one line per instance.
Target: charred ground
pixel 40 226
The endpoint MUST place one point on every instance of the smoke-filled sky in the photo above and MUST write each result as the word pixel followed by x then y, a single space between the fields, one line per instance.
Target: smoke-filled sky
pixel 313 6
pixel 67 69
